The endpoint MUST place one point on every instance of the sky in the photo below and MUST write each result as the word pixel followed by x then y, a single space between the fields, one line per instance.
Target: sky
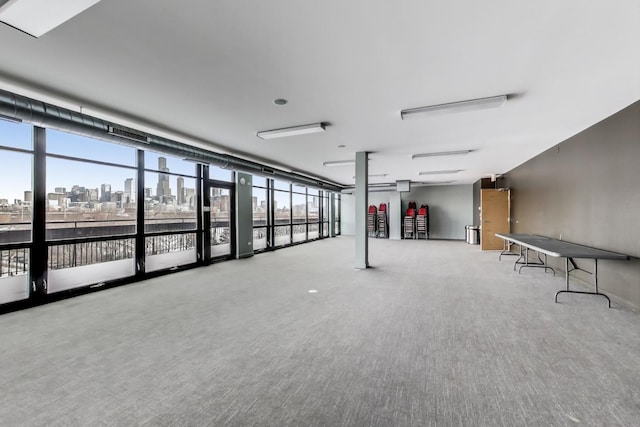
pixel 15 168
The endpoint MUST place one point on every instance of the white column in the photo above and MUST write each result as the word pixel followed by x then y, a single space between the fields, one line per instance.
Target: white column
pixel 362 202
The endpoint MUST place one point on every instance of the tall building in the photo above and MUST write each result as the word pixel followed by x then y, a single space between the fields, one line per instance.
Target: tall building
pixel 105 193
pixel 28 196
pixel 189 197
pixel 129 191
pixel 180 194
pixel 163 190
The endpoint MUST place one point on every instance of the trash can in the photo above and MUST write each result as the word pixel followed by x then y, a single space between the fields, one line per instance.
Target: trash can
pixel 474 235
pixel 467 233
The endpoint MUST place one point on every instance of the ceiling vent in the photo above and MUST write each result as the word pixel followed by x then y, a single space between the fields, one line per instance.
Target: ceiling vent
pixel 268 171
pixel 129 134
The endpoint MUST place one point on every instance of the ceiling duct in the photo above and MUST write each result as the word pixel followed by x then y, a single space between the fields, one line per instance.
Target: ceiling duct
pixel 20 108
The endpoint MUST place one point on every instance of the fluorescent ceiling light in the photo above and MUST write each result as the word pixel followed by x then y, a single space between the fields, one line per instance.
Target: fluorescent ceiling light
pixel 424 184
pixel 339 163
pixel 454 107
pixel 379 175
pixel 441 153
pixel 291 131
pixel 442 172
pixel 38 17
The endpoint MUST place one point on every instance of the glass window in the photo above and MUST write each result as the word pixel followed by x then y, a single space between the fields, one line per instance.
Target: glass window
pixel 16 197
pixel 313 206
pixel 281 209
pixel 282 235
pixel 86 199
pixel 220 202
pixel 220 174
pixel 259 181
pixel 169 250
pixel 85 263
pixel 67 144
pixel 299 208
pixel 314 231
pixel 168 164
pixel 170 203
pixel 15 135
pixel 281 185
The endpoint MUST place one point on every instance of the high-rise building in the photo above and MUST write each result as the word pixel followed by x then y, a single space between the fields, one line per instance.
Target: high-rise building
pixel 254 203
pixel 147 193
pixel 28 196
pixel 180 194
pixel 189 197
pixel 129 191
pixel 105 193
pixel 92 194
pixel 60 190
pixel 163 189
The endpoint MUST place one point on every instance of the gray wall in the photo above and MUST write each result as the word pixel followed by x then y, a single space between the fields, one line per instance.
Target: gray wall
pixel 587 189
pixel 450 209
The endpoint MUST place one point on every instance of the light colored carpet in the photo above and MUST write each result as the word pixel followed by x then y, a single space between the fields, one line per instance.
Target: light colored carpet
pixel 437 333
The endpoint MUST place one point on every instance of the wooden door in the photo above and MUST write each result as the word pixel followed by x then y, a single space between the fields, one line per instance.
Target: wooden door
pixel 494 212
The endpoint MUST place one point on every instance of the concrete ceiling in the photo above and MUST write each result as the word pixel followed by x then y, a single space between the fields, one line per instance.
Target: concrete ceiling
pixel 207 72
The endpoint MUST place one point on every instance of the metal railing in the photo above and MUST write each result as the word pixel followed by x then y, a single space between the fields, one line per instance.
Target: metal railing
pixel 155 245
pixel 87 253
pixel 14 262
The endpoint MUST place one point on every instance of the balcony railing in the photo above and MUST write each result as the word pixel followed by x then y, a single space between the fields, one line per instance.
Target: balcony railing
pixel 14 262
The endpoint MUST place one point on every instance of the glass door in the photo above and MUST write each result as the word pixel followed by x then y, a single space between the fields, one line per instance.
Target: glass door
pixel 222 220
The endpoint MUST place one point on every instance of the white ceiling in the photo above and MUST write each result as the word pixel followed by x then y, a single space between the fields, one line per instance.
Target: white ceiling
pixel 207 72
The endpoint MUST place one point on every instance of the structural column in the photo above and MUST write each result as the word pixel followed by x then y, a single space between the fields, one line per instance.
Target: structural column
pixel 362 202
pixel 332 215
pixel 395 216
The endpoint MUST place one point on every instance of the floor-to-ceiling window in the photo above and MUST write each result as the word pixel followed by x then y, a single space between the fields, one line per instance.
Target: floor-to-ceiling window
pixel 313 212
pixel 336 210
pixel 90 211
pixel 16 195
pixel 260 212
pixel 282 213
pixel 299 210
pixel 170 211
pixel 77 211
pixel 325 213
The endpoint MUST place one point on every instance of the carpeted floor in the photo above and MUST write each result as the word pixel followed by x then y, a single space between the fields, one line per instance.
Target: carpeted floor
pixel 437 333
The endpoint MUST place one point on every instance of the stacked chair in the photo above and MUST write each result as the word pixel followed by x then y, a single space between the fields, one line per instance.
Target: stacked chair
pixel 409 222
pixel 422 222
pixel 383 222
pixel 372 221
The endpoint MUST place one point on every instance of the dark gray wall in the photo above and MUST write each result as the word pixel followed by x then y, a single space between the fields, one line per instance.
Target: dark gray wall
pixel 587 190
pixel 244 209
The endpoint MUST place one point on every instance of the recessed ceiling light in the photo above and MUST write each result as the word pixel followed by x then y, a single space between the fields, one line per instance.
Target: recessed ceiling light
pixel 313 291
pixel 454 107
pixel 341 146
pixel 339 163
pixel 280 101
pixel 291 131
pixel 441 153
pixel 442 172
